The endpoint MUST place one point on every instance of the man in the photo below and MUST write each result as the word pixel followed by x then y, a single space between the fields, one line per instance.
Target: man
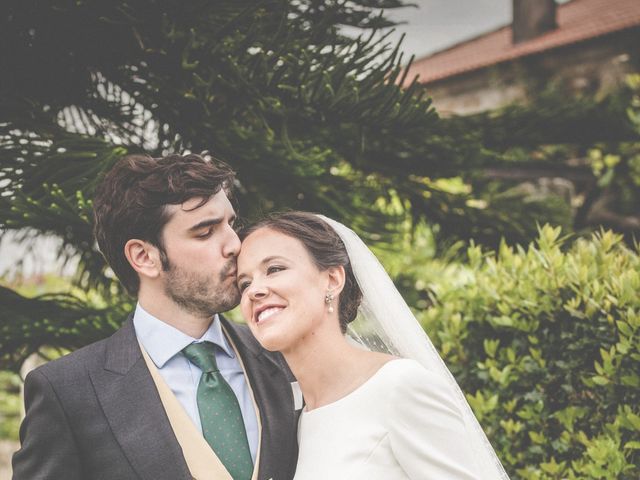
pixel 178 392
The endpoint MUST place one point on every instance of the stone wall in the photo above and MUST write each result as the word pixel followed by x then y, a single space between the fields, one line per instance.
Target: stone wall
pixel 592 67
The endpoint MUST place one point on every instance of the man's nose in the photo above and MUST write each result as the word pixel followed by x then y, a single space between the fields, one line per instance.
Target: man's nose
pixel 231 247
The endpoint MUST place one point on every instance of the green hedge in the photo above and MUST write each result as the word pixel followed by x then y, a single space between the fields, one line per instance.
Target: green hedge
pixel 546 339
pixel 9 405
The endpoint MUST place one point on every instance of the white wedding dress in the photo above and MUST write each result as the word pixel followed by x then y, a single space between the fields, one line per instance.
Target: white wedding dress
pixel 402 423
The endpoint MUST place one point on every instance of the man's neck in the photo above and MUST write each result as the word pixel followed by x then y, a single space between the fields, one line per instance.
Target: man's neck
pixel 172 314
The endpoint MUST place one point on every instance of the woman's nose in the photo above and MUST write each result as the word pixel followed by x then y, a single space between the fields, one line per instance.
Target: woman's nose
pixel 258 291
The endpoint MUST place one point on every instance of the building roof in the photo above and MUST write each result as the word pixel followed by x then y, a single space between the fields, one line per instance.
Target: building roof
pixel 578 20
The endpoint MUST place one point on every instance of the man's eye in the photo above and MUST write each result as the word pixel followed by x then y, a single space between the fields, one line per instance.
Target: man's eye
pixel 274 269
pixel 205 234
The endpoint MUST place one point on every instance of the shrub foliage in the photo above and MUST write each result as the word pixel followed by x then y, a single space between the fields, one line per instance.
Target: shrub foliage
pixel 545 339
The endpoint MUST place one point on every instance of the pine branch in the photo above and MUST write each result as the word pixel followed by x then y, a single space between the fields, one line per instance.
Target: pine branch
pixel 49 176
pixel 61 321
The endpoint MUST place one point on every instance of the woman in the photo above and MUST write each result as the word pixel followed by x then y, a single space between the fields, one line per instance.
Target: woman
pixel 367 415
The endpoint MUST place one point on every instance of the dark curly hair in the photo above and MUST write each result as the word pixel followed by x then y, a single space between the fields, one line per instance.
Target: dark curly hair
pixel 132 198
pixel 325 248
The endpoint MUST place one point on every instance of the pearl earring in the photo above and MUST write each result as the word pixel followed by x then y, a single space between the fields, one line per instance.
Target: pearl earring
pixel 328 299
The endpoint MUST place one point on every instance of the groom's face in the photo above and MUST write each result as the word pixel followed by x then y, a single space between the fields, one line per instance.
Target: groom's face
pixel 201 248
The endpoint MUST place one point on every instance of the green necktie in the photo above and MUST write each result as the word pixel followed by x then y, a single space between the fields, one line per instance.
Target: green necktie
pixel 220 414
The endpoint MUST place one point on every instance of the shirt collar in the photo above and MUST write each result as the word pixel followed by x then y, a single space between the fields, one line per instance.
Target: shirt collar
pixel 162 341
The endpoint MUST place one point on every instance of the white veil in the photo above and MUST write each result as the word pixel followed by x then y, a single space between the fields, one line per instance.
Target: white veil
pixel 386 324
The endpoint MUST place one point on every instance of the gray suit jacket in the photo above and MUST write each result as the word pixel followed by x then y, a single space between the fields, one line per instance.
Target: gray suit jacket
pixel 96 414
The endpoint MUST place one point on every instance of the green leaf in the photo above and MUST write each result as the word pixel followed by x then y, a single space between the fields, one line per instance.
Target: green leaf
pixel 600 380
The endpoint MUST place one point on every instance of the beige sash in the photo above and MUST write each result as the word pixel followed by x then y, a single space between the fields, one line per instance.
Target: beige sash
pixel 202 461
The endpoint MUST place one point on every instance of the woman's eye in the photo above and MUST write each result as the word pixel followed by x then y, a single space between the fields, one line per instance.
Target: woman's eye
pixel 274 269
pixel 242 286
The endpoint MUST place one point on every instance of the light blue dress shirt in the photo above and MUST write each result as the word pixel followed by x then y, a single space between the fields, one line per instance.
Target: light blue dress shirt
pixel 164 344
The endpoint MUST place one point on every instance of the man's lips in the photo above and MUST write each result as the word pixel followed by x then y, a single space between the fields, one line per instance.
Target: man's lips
pixel 229 270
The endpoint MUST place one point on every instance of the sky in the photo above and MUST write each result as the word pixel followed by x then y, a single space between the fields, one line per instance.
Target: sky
pixel 437 24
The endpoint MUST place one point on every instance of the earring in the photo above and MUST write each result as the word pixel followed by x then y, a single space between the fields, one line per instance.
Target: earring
pixel 328 299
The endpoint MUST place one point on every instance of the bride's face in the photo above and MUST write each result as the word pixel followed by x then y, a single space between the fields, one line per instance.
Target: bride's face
pixel 282 289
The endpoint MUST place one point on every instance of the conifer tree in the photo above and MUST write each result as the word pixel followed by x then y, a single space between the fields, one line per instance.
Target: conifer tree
pixel 310 118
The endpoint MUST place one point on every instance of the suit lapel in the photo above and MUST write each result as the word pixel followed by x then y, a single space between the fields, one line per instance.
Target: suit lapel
pixel 132 406
pixel 273 395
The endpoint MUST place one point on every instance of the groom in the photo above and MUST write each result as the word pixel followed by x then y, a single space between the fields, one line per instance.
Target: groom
pixel 178 392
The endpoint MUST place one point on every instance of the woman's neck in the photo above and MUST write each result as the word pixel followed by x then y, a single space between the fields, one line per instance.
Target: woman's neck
pixel 328 368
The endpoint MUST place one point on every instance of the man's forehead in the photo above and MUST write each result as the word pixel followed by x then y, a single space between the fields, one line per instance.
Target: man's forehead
pixel 193 203
pixel 217 204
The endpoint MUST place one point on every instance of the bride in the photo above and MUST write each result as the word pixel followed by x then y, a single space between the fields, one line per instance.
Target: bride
pixel 379 401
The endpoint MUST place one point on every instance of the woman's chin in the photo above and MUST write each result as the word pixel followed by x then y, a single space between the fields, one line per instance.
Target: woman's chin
pixel 272 344
pixel 271 341
pixel 270 335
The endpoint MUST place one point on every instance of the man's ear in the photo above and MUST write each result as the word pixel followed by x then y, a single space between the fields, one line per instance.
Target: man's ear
pixel 143 257
pixel 336 279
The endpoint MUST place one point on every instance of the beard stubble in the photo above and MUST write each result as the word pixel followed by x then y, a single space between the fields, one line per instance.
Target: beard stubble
pixel 202 295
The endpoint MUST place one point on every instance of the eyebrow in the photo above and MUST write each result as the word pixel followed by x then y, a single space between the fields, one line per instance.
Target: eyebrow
pixel 263 262
pixel 210 222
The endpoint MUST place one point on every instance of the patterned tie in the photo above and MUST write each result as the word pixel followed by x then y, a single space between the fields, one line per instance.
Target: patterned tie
pixel 220 414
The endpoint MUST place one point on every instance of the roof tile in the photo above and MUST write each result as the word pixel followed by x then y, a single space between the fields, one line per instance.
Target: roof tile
pixel 578 20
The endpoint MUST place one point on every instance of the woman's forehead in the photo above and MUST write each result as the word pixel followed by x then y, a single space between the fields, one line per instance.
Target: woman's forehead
pixel 265 242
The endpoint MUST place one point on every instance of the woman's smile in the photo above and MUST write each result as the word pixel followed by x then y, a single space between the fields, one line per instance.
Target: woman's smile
pixel 262 314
